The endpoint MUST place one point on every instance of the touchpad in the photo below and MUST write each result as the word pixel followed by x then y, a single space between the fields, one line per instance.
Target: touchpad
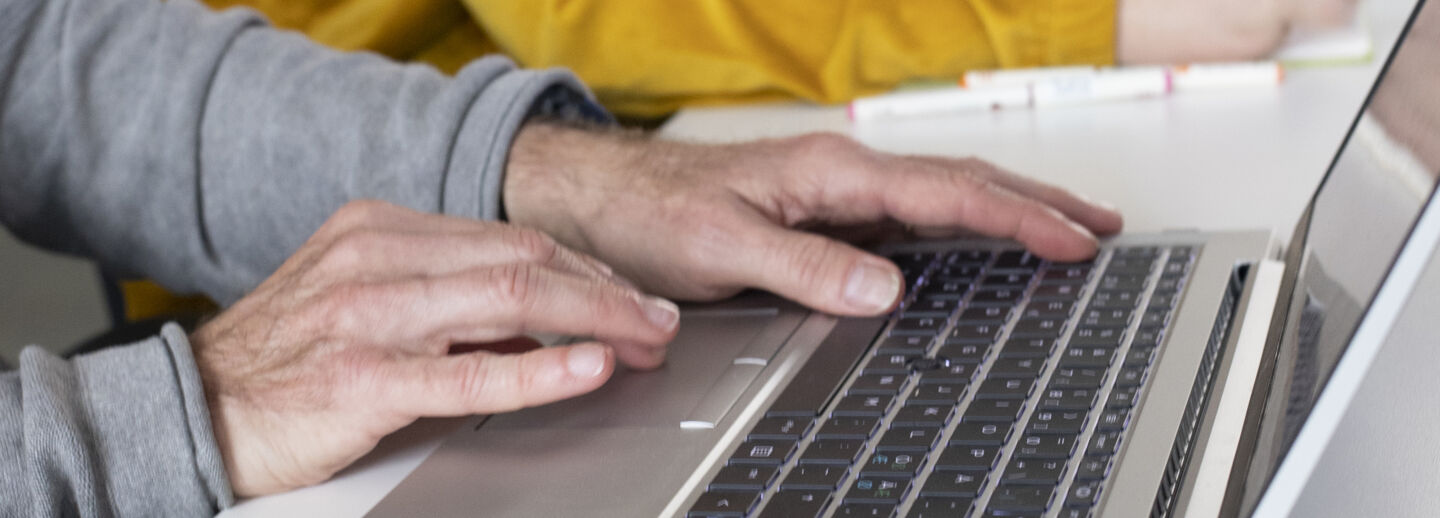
pixel 719 350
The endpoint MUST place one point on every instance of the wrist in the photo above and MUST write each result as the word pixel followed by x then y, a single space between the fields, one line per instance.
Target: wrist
pixel 553 174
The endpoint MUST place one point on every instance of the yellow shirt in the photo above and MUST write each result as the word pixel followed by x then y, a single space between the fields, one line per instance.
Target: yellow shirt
pixel 650 57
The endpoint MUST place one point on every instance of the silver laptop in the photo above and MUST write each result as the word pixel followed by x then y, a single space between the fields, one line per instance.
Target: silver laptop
pixel 1175 374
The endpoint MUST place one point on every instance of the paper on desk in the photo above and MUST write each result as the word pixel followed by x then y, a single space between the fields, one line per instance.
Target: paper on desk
pixel 1347 45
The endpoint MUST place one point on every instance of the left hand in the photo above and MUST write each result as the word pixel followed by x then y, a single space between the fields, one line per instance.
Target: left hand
pixel 702 222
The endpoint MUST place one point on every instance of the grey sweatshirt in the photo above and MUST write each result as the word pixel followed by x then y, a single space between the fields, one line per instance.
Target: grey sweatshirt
pixel 201 149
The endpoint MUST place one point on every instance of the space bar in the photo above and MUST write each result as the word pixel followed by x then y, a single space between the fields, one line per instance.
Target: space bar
pixel 812 387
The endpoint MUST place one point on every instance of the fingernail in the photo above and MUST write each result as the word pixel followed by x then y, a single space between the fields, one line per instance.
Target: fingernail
pixel 872 287
pixel 1080 229
pixel 586 361
pixel 663 313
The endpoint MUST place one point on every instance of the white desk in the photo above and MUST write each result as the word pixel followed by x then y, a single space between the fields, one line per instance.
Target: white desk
pixel 1214 160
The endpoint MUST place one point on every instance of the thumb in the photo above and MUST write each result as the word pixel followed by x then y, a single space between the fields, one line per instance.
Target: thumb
pixel 486 383
pixel 819 272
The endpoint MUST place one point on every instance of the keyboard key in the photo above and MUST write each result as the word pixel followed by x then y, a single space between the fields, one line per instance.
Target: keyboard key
pixel 1075 512
pixel 940 507
pixel 1154 317
pixel 1122 397
pixel 1130 266
pixel 1130 377
pixel 1005 388
pixel 849 428
pixel 1068 378
pixel 744 478
pixel 815 476
pixel 1007 280
pixel 1093 468
pixel 918 440
pixel 1104 443
pixel 996 296
pixel 852 510
pixel 1087 357
pixel 1111 281
pixel 1067 398
pixel 797 503
pixel 922 415
pixel 833 451
pixel 1019 498
pixel 1017 368
pixel 1005 513
pixel 1113 420
pixel 1057 421
pixel 1045 446
pixel 1047 308
pixel 792 428
pixel 893 465
pixel 1139 356
pixel 1106 317
pixel 1028 348
pixel 1115 299
pixel 1068 274
pixel 1148 337
pixel 1083 494
pixel 954 372
pixel 971 257
pixel 876 490
pixel 966 272
pixel 967 458
pixel 963 352
pixel 863 406
pixel 1038 328
pixel 1163 300
pixel 725 504
pixel 1038 472
pixel 1020 260
pixel 983 315
pixel 911 345
pixel 878 384
pixel 954 484
pixel 1001 410
pixel 974 333
pixel 918 326
pixel 931 307
pixel 938 393
pixel 945 289
pixel 1137 251
pixel 885 363
pixel 768 452
pixel 981 433
pixel 1086 336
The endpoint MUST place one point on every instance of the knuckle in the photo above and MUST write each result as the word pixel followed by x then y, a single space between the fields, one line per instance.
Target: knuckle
pixel 356 214
pixel 533 245
pixel 351 248
pixel 806 260
pixel 514 285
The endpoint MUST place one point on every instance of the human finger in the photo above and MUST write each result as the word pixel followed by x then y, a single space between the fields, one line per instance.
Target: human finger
pixel 407 252
pixel 816 271
pixel 486 383
pixel 1101 219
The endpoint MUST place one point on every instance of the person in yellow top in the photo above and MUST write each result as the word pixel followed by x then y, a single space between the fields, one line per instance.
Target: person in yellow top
pixel 646 58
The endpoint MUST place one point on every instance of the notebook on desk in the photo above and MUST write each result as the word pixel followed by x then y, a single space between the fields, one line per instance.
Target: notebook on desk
pixel 1172 375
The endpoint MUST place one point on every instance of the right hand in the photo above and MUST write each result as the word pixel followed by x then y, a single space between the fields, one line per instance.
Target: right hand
pixel 1189 31
pixel 351 338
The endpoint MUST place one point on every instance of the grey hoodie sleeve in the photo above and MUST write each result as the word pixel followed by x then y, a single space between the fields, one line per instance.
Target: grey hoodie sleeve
pixel 201 149
pixel 121 432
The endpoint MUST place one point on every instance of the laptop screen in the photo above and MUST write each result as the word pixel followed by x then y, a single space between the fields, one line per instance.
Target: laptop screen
pixel 1360 218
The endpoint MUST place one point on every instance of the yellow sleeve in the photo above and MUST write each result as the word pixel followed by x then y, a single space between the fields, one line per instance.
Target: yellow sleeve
pixel 647 57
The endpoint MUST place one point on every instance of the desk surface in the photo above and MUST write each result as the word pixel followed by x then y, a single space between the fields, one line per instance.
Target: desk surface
pixel 1246 158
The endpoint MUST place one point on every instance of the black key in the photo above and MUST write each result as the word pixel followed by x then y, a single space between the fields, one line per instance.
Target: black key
pixel 1155 317
pixel 744 478
pixel 1122 397
pixel 725 503
pixel 1139 356
pixel 1001 410
pixel 1087 357
pixel 968 257
pixel 1057 421
pixel 1037 472
pixel 1021 499
pixel 876 490
pixel 1005 388
pixel 945 289
pixel 810 390
pixel 996 296
pixel 1175 268
pixel 955 372
pixel 792 428
pixel 981 433
pixel 1115 299
pixel 851 510
pixel 974 333
pixel 1093 468
pixel 968 458
pixel 1067 274
pixel 916 440
pixel 1106 317
pixel 941 507
pixel 1129 266
pixel 1083 494
pixel 1148 337
pixel 797 503
pixel 1168 286
pixel 938 393
pixel 1137 251
pixel 908 345
pixel 1186 251
pixel 1038 328
pixel 957 272
pixel 1057 292
pixel 963 352
pixel 1112 281
pixel 884 464
pixel 918 326
pixel 890 363
pixel 1045 446
pixel 921 415
pixel 983 315
pixel 815 476
pixel 1130 377
pixel 1097 336
pixel 832 451
pixel 1075 512
pixel 1113 420
pixel 1015 260
pixel 1067 378
pixel 1104 443
pixel 954 483
pixel 914 259
pixel 849 428
pixel 878 384
pixel 863 405
pixel 1017 368
pixel 768 452
pixel 1067 398
pixel 1048 309
pixel 1028 348
pixel 1162 300
pixel 1009 280
pixel 931 307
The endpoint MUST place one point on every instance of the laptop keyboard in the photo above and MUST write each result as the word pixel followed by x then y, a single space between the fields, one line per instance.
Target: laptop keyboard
pixel 1003 386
